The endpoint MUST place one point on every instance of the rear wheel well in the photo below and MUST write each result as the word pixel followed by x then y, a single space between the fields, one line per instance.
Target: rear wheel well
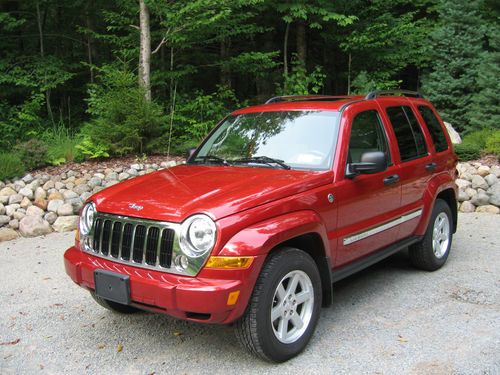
pixel 449 197
pixel 312 244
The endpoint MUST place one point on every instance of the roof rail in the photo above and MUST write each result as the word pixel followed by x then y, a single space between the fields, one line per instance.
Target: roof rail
pixel 284 98
pixel 378 93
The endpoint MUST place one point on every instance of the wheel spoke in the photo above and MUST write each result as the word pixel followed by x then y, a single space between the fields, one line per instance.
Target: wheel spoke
pixel 281 292
pixel 303 296
pixel 297 321
pixel 292 285
pixel 276 312
pixel 283 328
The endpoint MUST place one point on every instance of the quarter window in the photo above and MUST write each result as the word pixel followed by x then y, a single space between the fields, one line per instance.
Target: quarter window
pixel 367 135
pixel 408 133
pixel 435 129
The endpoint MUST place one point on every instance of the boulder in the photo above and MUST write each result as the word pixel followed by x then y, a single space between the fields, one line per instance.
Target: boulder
pixel 59 185
pixel 40 193
pixel 4 219
pixel 480 199
pixel 80 189
pixel 111 176
pixel 85 196
pixel 41 203
pixel 94 181
pixel 7 191
pixel 68 194
pixel 483 170
pixel 493 170
pixel 462 196
pixel 65 209
pixel 65 223
pixel 137 167
pixel 479 182
pixel 467 206
pixel 14 224
pixel 25 203
pixel 132 172
pixel 48 185
pixel 28 178
pixel 7 234
pixel 32 226
pixel 56 196
pixel 2 209
pixel 11 208
pixel 26 192
pixel 51 217
pixel 491 179
pixel 34 211
pixel 54 205
pixel 4 199
pixel 495 199
pixel 488 209
pixel 123 176
pixel 454 136
pixel 16 198
pixel 462 184
pixel 18 215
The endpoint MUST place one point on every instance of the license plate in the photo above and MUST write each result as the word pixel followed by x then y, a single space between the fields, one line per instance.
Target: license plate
pixel 112 286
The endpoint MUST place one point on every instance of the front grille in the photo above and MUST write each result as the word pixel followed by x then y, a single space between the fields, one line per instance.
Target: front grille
pixel 140 242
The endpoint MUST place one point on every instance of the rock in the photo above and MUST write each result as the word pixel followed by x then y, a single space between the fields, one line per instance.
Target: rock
pixel 479 182
pixel 69 185
pixel 11 208
pixel 142 173
pixel 65 223
pixel 4 199
pixel 462 196
pixel 99 175
pixel 18 215
pixel 14 224
pixel 80 181
pixel 488 209
pixel 2 209
pixel 495 199
pixel 480 199
pixel 7 234
pixel 65 209
pixel 4 219
pixel 80 189
pixel 462 184
pixel 111 176
pixel 70 194
pixel 48 185
pixel 132 172
pixel 25 203
pixel 85 196
pixel 467 206
pixel 491 179
pixel 108 171
pixel 55 196
pixel 41 203
pixel 71 179
pixel 470 192
pixel 44 178
pixel 2 184
pixel 59 185
pixel 454 136
pixel 34 211
pixel 50 217
pixel 71 173
pixel 111 183
pixel 7 191
pixel 16 198
pixel 28 178
pixel 18 185
pixel 35 184
pixel 493 170
pixel 123 176
pixel 31 226
pixel 466 176
pixel 76 203
pixel 483 170
pixel 118 169
pixel 40 193
pixel 94 181
pixel 149 170
pixel 137 167
pixel 168 164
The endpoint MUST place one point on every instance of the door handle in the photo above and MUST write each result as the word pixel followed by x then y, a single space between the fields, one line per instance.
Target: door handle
pixel 431 167
pixel 391 179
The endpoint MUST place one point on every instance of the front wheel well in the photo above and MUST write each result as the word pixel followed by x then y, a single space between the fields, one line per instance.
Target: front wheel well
pixel 312 244
pixel 449 197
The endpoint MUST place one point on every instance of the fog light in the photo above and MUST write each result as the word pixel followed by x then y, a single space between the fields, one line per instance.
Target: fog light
pixel 181 263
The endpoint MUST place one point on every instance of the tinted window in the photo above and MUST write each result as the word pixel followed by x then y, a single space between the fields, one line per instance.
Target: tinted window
pixel 409 135
pixel 366 135
pixel 434 127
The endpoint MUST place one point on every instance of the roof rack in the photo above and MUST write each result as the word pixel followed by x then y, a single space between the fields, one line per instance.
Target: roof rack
pixel 378 93
pixel 284 98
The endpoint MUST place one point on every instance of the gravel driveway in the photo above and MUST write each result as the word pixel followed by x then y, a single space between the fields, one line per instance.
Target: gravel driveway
pixel 389 319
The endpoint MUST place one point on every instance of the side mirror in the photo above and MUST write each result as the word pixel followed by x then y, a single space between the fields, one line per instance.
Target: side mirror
pixel 190 153
pixel 371 162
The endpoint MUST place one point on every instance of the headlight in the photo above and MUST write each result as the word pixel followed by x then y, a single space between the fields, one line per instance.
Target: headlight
pixel 87 218
pixel 198 234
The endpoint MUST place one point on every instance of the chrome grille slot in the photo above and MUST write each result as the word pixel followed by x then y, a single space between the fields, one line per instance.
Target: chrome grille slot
pixel 143 243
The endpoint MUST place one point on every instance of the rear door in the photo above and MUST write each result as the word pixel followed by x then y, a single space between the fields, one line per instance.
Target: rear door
pixel 413 157
pixel 366 203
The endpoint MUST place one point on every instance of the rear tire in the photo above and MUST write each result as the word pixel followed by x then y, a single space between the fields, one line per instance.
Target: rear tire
pixel 284 308
pixel 432 252
pixel 113 306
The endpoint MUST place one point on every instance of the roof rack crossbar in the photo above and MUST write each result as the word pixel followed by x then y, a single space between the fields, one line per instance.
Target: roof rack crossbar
pixel 283 98
pixel 377 93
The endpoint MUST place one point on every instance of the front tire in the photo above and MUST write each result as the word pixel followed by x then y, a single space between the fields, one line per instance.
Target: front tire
pixel 432 252
pixel 284 308
pixel 113 306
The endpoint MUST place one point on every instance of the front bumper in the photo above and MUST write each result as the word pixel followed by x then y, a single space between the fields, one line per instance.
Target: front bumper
pixel 203 298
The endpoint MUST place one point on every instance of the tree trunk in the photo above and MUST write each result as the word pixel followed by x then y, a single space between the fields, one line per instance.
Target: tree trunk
pixel 42 55
pixel 301 42
pixel 145 51
pixel 90 45
pixel 225 72
pixel 285 51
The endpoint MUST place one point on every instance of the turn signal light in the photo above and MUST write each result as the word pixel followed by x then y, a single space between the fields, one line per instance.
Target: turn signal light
pixel 77 235
pixel 233 298
pixel 229 262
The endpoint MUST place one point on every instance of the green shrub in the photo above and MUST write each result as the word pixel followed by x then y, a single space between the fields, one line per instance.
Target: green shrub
pixel 33 153
pixel 493 144
pixel 61 146
pixel 90 150
pixel 478 137
pixel 10 166
pixel 467 151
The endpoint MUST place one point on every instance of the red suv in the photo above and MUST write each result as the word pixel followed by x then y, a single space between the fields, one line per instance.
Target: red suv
pixel 280 201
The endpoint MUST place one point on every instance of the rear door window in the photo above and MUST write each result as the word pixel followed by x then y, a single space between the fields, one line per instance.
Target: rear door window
pixel 435 129
pixel 409 135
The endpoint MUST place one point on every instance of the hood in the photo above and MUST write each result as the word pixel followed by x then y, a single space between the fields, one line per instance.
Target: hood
pixel 176 193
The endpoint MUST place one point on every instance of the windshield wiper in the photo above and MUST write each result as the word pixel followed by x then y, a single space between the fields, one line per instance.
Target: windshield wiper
pixel 263 160
pixel 213 159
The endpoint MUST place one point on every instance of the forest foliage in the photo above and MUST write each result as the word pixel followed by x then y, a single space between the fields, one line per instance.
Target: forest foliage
pixel 69 70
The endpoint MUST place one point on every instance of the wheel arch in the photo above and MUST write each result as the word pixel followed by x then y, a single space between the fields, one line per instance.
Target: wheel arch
pixel 448 195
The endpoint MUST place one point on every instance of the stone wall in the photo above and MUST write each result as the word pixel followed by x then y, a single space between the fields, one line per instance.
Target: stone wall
pixel 479 188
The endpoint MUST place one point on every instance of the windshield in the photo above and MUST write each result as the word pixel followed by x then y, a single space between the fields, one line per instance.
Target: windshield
pixel 294 139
